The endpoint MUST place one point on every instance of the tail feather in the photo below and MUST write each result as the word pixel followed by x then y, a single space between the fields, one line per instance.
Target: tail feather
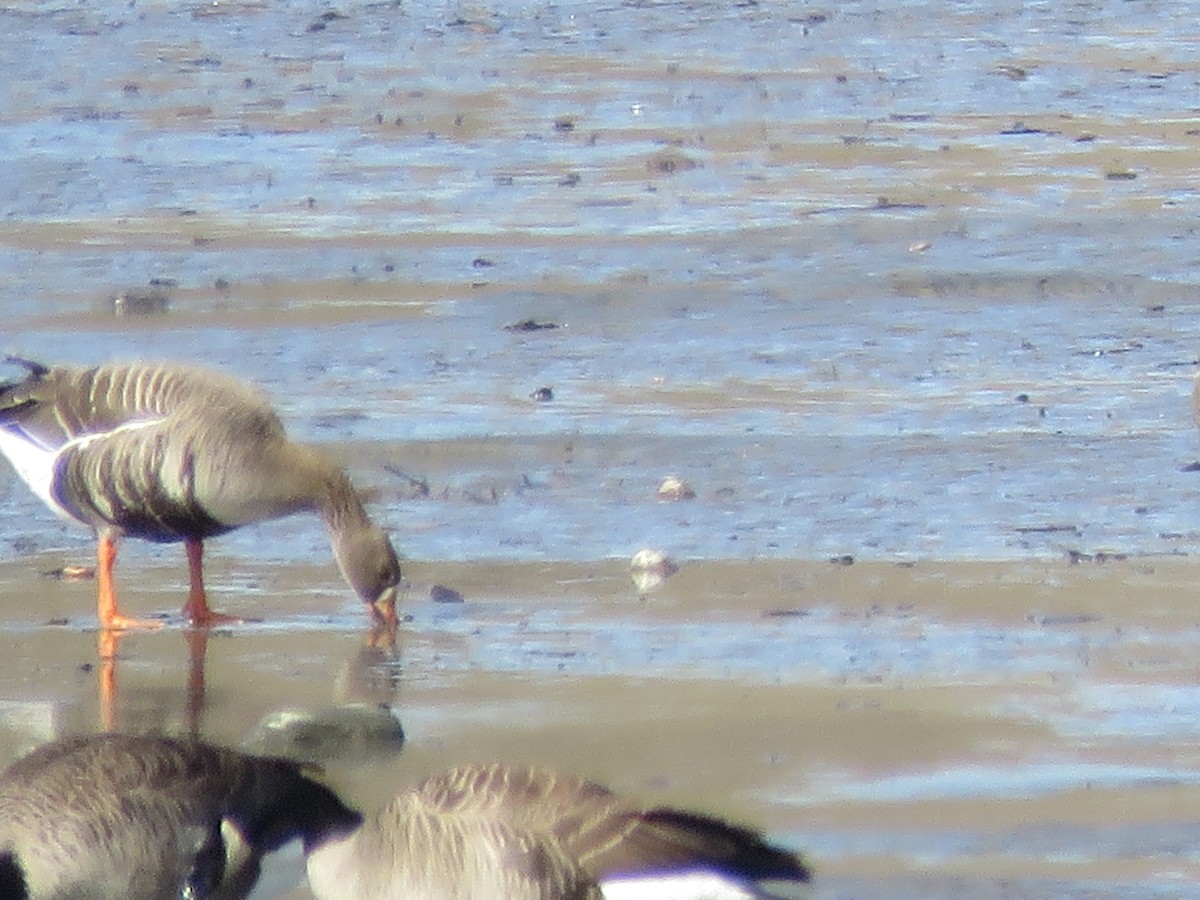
pixel 13 400
pixel 36 369
pixel 739 850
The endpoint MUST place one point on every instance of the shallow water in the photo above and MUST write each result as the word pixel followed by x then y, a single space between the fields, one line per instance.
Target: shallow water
pixel 913 287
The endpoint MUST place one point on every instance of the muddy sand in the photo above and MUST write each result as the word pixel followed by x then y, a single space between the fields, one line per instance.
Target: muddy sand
pixel 923 729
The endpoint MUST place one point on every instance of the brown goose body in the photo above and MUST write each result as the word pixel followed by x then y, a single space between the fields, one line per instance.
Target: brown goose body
pixel 118 817
pixel 178 453
pixel 536 834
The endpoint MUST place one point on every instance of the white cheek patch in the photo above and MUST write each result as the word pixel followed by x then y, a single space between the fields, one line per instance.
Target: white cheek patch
pixel 238 851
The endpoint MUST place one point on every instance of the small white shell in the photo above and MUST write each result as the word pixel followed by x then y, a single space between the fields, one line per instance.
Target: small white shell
pixel 649 569
pixel 675 488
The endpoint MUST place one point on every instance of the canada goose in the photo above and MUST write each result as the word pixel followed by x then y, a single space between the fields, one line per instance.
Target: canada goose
pixel 119 817
pixel 177 453
pixel 485 832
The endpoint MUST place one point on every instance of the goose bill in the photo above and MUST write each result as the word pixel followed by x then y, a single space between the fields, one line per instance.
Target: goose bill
pixel 383 608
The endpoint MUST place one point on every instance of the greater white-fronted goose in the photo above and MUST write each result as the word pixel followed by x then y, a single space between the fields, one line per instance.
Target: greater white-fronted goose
pixel 482 832
pixel 177 453
pixel 119 817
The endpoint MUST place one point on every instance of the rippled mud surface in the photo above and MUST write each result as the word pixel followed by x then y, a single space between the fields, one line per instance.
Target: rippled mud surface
pixel 907 295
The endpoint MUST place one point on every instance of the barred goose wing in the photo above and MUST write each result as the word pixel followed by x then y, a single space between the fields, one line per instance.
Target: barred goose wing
pixel 456 830
pixel 117 817
pixel 179 453
pixel 57 405
pixel 611 835
pixel 411 850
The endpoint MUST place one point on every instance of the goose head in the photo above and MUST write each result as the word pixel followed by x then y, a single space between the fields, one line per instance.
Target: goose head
pixel 369 564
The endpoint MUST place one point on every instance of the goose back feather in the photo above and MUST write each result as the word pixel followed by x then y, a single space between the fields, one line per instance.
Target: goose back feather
pixel 159 452
pixel 414 851
pixel 456 833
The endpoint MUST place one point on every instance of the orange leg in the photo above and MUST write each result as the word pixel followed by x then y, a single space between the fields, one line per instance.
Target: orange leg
pixel 107 676
pixel 197 641
pixel 106 595
pixel 196 610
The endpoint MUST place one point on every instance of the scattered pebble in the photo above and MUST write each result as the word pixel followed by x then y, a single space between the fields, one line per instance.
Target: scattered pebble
pixel 151 302
pixel 439 593
pixel 531 325
pixel 322 21
pixel 1075 557
pixel 1055 528
pixel 669 162
pixel 1019 128
pixel 320 734
pixel 542 395
pixel 1013 71
pixel 1065 619
pixel 675 488
pixel 70 573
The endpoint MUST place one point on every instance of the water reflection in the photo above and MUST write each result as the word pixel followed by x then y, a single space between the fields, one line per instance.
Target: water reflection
pixel 369 677
pixel 108 649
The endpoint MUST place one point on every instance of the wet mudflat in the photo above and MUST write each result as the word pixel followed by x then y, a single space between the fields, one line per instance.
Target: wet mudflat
pixel 909 289
pixel 935 729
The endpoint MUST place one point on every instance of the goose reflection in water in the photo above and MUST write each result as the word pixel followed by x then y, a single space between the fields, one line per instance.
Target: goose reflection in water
pixel 369 678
